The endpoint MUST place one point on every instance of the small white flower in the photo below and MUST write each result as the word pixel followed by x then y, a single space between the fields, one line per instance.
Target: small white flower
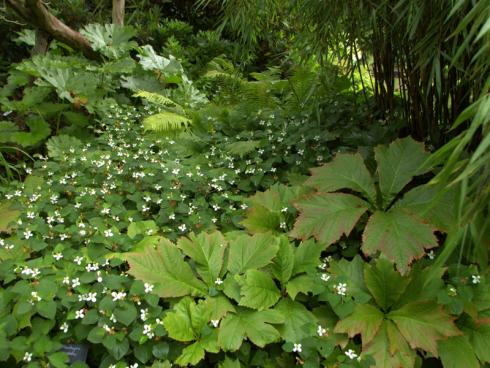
pixel 35 297
pixel 120 295
pixel 105 211
pixel 27 357
pixel 215 322
pixel 321 331
pixel 351 354
pixel 75 282
pixel 27 234
pixel 31 215
pixel 108 233
pixel 283 225
pixel 431 255
pixel 182 227
pixel 148 287
pixel 218 281
pixel 147 330
pixel 341 289
pixel 112 318
pixel 297 348
pixel 78 260
pixel 57 256
pixel 79 314
pixel 475 279
pixel 325 276
pixel 64 327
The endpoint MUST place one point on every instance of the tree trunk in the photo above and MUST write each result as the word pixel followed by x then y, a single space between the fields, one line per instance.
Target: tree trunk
pixel 118 12
pixel 42 43
pixel 35 13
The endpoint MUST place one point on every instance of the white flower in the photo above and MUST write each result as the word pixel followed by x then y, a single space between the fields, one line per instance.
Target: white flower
pixel 64 327
pixel 325 276
pixel 182 227
pixel 143 314
pixel 35 297
pixel 135 365
pixel 475 279
pixel 75 282
pixel 78 260
pixel 148 287
pixel 147 330
pixel 321 331
pixel 341 288
pixel 105 211
pixel 27 234
pixel 112 318
pixel 218 281
pixel 63 237
pixel 79 314
pixel 31 215
pixel 297 348
pixel 108 233
pixel 215 322
pixel 27 357
pixel 283 225
pixel 351 354
pixel 120 295
pixel 57 256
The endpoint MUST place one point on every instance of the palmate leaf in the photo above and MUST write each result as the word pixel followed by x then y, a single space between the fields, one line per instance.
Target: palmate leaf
pixel 254 325
pixel 299 322
pixel 399 235
pixel 264 214
pixel 283 264
pixel 185 321
pixel 346 171
pixel 328 216
pixel 389 349
pixel 398 163
pixel 166 122
pixel 166 268
pixel 207 251
pixel 251 252
pixel 384 283
pixel 422 324
pixel 259 291
pixel 110 40
pixel 365 320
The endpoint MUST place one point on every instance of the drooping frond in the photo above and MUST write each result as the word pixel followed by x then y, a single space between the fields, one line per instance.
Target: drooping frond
pixel 166 122
pixel 157 99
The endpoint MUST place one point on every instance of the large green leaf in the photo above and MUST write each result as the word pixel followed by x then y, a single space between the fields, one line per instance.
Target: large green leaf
pixel 8 217
pixel 399 236
pixel 110 40
pixel 299 322
pixel 346 171
pixel 265 211
pixel 307 256
pixel 422 324
pixel 434 204
pixel 384 283
pixel 165 267
pixel 283 264
pixel 185 321
pixel 365 320
pixel 457 352
pixel 207 251
pixel 254 325
pixel 398 163
pixel 327 216
pixel 191 355
pixel 250 252
pixel 389 348
pixel 39 130
pixel 259 291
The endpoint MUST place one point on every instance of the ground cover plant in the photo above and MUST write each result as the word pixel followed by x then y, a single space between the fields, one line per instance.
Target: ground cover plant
pixel 174 195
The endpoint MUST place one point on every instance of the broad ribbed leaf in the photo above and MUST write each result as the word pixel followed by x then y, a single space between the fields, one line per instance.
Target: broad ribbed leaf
pixel 399 236
pixel 328 216
pixel 307 256
pixel 389 349
pixel 254 325
pixel 432 204
pixel 456 352
pixel 423 324
pixel 8 217
pixel 365 320
pixel 251 252
pixel 259 291
pixel 346 171
pixel 111 40
pixel 384 283
pixel 191 355
pixel 165 268
pixel 283 264
pixel 299 322
pixel 207 251
pixel 398 163
pixel 185 321
pixel 304 284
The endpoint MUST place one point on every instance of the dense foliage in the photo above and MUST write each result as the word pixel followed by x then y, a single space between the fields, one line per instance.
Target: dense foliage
pixel 227 197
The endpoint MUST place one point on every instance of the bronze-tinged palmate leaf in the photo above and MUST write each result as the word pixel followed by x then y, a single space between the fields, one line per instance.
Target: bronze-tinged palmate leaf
pixel 346 171
pixel 328 216
pixel 399 236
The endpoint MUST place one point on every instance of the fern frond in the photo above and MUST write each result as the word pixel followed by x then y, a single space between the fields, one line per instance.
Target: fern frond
pixel 166 122
pixel 157 98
